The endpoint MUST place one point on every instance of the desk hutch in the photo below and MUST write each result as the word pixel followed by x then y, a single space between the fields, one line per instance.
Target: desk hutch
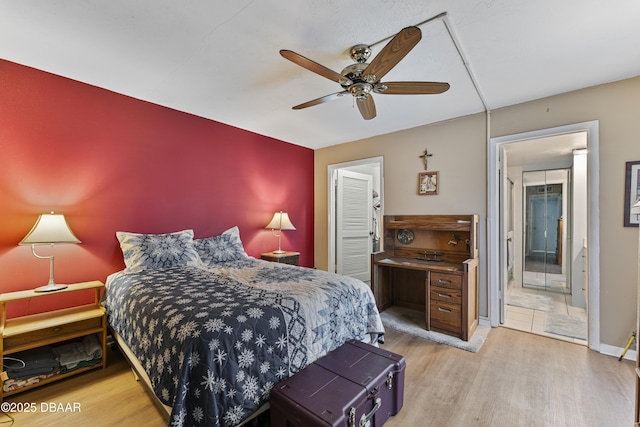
pixel 430 263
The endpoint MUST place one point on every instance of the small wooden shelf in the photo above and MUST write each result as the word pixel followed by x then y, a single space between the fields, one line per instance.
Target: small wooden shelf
pixel 12 296
pixel 440 225
pixel 52 327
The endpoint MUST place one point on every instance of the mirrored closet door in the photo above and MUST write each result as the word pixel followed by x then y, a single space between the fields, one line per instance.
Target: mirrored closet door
pixel 546 215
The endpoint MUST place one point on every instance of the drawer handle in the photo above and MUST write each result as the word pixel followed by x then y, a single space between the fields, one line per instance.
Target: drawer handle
pixel 444 281
pixel 444 295
pixel 57 329
pixel 446 310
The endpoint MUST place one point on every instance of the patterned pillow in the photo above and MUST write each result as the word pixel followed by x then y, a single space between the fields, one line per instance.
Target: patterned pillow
pixel 152 251
pixel 225 247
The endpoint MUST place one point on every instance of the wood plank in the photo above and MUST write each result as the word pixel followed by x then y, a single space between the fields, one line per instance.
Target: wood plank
pixel 12 296
pixel 516 379
pixel 35 322
pixel 415 264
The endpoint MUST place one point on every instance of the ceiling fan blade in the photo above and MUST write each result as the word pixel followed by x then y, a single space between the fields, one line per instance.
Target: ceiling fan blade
pixel 367 107
pixel 312 66
pixel 392 53
pixel 321 100
pixel 413 88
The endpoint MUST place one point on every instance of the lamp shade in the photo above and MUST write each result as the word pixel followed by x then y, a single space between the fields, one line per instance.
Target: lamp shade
pixel 280 221
pixel 50 228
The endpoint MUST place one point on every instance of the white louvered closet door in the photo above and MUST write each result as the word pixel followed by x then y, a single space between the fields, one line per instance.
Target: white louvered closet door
pixel 354 210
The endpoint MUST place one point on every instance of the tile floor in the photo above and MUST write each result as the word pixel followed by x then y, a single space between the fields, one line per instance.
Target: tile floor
pixel 531 320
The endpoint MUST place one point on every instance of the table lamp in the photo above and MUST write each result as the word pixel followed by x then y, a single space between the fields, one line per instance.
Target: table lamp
pixel 49 229
pixel 280 221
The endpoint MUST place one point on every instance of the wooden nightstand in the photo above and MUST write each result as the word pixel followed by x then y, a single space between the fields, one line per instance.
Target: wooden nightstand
pixel 284 258
pixel 52 327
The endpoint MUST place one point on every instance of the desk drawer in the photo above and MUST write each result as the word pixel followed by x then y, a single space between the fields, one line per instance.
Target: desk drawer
pixel 445 280
pixel 446 316
pixel 52 333
pixel 447 295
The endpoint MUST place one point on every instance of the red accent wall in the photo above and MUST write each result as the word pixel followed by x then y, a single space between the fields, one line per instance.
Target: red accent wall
pixel 111 162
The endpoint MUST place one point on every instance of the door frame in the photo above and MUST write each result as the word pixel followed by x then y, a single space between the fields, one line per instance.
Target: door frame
pixel 497 251
pixel 332 171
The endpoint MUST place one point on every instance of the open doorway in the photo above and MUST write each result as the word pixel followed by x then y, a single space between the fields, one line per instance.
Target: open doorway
pixel 541 298
pixel 353 206
pixel 571 224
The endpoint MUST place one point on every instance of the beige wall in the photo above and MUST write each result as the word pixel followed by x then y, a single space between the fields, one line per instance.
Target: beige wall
pixel 459 150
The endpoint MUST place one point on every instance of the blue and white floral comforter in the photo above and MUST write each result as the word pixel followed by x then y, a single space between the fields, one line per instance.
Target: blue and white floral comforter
pixel 215 339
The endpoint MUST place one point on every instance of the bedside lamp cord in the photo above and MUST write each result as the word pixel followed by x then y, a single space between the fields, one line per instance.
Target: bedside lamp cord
pixel 13 359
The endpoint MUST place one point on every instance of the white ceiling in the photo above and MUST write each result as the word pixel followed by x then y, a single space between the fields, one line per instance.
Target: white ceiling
pixel 219 59
pixel 545 152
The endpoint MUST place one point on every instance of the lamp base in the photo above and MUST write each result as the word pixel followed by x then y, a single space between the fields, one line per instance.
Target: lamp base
pixel 279 251
pixel 51 287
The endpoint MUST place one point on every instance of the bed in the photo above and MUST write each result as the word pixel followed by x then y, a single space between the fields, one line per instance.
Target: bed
pixel 214 329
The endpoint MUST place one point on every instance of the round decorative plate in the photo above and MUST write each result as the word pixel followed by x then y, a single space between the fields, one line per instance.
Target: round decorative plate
pixel 405 236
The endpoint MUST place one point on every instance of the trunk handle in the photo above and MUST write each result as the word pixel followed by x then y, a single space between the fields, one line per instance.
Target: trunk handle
pixel 364 419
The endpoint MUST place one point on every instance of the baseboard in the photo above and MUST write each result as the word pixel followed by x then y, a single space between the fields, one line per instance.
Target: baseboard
pixel 611 350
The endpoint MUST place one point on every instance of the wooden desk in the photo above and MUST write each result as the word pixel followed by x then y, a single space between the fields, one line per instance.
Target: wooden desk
pixel 445 290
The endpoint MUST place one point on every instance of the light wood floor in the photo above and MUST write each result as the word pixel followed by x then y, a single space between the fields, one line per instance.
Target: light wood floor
pixel 517 379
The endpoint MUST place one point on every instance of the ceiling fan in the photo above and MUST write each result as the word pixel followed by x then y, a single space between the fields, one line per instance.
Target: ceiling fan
pixel 362 79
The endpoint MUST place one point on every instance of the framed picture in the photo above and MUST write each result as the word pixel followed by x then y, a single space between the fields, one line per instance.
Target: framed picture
pixel 428 183
pixel 631 192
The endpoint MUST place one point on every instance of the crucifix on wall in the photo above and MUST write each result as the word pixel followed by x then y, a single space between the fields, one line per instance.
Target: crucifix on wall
pixel 424 157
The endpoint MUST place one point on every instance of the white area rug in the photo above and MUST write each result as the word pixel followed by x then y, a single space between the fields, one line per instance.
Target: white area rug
pixel 561 324
pixel 412 322
pixel 532 301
